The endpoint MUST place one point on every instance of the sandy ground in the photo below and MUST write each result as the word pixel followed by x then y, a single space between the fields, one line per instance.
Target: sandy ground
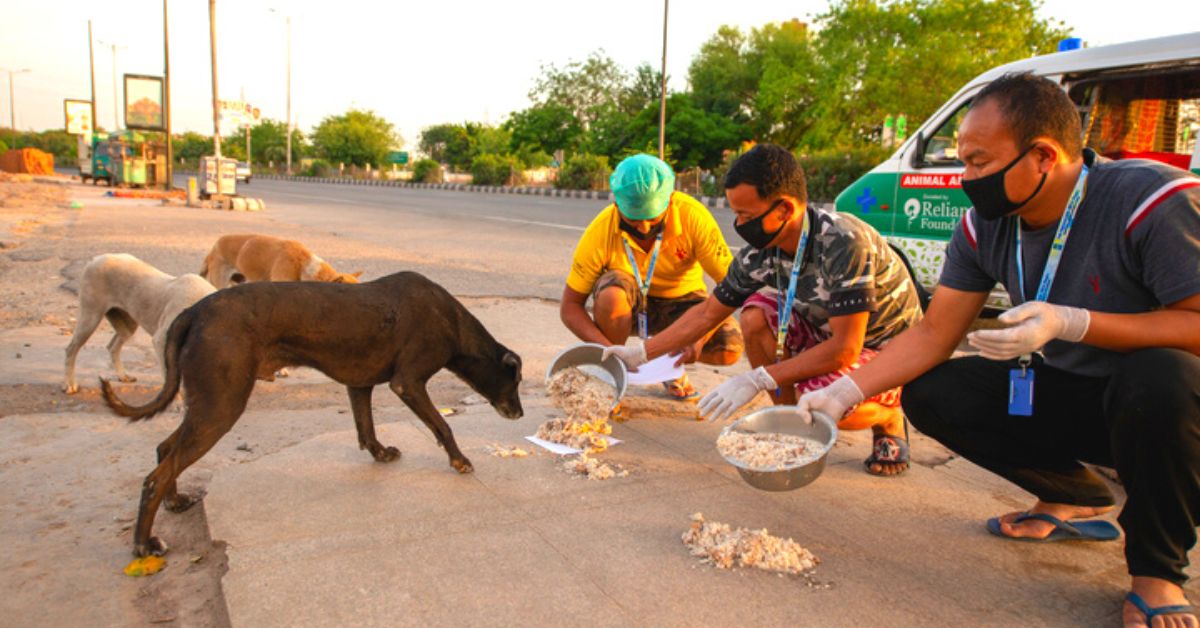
pixel 73 471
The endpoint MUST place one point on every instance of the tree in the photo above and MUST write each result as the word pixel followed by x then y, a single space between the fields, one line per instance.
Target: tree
pixel 356 137
pixel 695 137
pixel 440 139
pixel 191 146
pixel 268 142
pixel 584 87
pixel 723 78
pixel 549 127
pixel 908 56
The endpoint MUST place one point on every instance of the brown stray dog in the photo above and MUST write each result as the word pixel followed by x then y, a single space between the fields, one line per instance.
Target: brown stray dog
pixel 246 257
pixel 398 330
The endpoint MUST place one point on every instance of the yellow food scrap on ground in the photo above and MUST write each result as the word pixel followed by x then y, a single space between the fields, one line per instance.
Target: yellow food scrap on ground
pixel 146 566
pixel 500 451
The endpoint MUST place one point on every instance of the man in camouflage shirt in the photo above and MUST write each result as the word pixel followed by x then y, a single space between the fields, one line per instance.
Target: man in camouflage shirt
pixel 852 295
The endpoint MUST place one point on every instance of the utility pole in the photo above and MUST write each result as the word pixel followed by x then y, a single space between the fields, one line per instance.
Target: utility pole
pixel 116 107
pixel 662 99
pixel 248 159
pixel 169 180
pixel 212 40
pixel 289 95
pixel 12 98
pixel 92 70
pixel 288 21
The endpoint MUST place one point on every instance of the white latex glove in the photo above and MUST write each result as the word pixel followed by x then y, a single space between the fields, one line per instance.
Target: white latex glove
pixel 833 400
pixel 632 355
pixel 734 393
pixel 1033 324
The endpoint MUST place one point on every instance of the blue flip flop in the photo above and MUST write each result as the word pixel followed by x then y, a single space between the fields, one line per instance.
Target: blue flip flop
pixel 1095 530
pixel 1152 612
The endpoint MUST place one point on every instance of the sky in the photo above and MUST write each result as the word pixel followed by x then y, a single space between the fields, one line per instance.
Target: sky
pixel 415 63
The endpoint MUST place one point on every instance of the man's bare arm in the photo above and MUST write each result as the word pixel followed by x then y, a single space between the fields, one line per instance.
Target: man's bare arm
pixel 692 326
pixel 1176 327
pixel 574 315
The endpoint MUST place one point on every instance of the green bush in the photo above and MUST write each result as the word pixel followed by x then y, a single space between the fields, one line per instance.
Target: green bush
pixel 3 147
pixel 830 171
pixel 427 171
pixel 584 172
pixel 489 169
pixel 318 168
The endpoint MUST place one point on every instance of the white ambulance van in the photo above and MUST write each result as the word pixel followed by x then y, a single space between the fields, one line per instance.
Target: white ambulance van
pixel 1138 99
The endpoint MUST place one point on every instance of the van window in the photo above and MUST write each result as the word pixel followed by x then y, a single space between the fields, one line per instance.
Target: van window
pixel 941 149
pixel 1150 116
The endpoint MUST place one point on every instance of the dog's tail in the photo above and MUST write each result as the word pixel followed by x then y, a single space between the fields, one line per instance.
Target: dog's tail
pixel 175 338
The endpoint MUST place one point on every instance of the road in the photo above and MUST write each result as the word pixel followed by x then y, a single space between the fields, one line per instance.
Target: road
pixel 473 243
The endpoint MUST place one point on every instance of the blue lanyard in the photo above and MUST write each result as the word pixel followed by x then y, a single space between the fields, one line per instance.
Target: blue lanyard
pixel 785 307
pixel 643 286
pixel 1056 248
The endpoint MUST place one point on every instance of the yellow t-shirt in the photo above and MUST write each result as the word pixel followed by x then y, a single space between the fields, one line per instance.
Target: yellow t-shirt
pixel 692 245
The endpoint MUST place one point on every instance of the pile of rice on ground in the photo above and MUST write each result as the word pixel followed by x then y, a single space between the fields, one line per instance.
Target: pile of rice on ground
pixel 726 548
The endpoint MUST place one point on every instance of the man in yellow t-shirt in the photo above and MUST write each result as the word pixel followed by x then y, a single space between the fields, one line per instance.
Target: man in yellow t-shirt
pixel 673 241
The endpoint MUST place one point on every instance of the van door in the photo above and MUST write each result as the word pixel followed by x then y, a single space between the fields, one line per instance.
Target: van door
pixel 929 199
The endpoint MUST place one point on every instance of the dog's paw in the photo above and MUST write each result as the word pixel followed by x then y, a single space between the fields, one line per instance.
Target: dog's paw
pixel 153 545
pixel 282 373
pixel 70 389
pixel 462 466
pixel 128 379
pixel 180 503
pixel 385 454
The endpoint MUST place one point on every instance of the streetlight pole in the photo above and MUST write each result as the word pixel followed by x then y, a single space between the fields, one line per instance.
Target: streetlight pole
pixel 116 107
pixel 12 98
pixel 662 99
pixel 212 40
pixel 169 180
pixel 92 73
pixel 288 21
pixel 289 95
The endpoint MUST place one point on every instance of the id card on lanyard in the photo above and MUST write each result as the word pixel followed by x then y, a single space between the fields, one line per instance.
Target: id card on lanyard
pixel 1020 380
pixel 784 305
pixel 643 319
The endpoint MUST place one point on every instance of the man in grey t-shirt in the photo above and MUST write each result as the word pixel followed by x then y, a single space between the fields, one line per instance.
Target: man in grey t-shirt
pixel 1102 263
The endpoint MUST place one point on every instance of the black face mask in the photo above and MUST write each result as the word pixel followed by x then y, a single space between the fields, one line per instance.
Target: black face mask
pixel 638 235
pixel 752 230
pixel 989 195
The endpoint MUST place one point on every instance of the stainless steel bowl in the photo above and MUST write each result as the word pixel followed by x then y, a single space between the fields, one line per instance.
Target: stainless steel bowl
pixel 785 420
pixel 586 357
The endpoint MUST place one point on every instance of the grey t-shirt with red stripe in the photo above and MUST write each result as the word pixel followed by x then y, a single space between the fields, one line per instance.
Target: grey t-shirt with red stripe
pixel 1134 247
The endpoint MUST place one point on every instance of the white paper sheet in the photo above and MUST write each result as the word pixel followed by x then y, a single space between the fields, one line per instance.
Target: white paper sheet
pixel 564 450
pixel 660 369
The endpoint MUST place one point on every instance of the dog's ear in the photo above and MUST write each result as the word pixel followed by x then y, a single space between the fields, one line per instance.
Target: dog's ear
pixel 513 361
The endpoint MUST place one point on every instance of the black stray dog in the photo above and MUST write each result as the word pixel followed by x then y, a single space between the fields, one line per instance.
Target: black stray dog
pixel 398 330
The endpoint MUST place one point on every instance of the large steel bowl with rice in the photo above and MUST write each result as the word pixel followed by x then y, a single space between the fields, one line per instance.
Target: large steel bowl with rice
pixel 784 420
pixel 586 357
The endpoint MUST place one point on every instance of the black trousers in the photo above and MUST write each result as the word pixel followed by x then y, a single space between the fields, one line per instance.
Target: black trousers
pixel 1144 420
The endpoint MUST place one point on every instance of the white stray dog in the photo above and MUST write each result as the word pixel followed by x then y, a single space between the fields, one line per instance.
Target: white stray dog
pixel 129 292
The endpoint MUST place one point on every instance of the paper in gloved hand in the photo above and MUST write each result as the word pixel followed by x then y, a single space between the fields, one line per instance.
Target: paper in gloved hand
pixel 660 369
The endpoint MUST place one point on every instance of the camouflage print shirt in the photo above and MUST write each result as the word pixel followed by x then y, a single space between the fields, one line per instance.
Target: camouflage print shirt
pixel 847 268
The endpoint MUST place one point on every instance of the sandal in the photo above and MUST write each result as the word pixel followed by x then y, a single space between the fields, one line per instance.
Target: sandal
pixel 681 389
pixel 1151 612
pixel 888 449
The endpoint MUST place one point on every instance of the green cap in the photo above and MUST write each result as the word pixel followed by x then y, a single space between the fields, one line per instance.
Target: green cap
pixel 642 186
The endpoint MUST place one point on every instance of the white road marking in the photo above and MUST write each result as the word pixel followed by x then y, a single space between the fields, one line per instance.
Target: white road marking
pixel 376 204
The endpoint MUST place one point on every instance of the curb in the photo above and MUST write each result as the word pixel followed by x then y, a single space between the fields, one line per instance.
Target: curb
pixel 603 195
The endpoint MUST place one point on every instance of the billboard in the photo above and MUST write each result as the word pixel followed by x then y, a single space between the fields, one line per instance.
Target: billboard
pixel 237 114
pixel 144 102
pixel 78 114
